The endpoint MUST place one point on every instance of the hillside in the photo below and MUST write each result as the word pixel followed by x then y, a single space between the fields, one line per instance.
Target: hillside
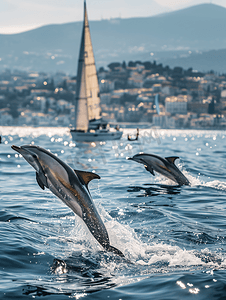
pixel 206 61
pixel 55 47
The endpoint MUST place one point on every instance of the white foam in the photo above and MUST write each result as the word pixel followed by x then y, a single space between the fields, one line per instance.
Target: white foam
pixel 146 258
pixel 33 131
pixel 217 184
pixel 197 181
pixel 124 238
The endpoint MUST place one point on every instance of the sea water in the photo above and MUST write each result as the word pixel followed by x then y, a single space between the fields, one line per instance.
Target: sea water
pixel 173 237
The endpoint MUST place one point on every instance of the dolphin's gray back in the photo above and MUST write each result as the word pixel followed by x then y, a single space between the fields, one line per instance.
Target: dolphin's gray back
pixel 56 176
pixel 86 210
pixel 159 165
pixel 164 166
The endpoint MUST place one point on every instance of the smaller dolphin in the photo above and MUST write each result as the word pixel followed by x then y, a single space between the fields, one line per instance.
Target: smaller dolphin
pixel 71 186
pixel 164 166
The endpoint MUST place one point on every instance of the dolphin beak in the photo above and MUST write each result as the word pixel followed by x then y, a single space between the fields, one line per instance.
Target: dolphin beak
pixel 135 159
pixel 18 149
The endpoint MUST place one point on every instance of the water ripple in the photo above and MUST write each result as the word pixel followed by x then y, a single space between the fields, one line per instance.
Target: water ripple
pixel 173 237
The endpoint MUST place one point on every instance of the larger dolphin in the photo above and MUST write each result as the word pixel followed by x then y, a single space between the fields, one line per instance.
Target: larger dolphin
pixel 164 166
pixel 71 186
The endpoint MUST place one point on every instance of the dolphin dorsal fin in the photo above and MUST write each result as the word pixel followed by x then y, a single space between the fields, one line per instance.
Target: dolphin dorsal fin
pixel 86 177
pixel 171 159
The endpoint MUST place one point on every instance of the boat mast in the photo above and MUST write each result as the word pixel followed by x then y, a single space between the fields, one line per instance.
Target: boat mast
pixel 87 104
pixel 92 86
pixel 81 108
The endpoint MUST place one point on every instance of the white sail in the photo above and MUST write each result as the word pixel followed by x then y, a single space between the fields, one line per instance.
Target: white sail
pixel 81 109
pixel 87 106
pixel 89 125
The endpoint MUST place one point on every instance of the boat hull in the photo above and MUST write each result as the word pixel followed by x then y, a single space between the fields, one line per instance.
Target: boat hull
pixel 95 136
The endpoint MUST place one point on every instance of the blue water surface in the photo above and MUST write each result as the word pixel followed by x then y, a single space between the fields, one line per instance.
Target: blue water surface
pixel 173 237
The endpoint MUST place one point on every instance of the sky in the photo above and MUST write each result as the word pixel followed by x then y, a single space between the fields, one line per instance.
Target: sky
pixel 22 15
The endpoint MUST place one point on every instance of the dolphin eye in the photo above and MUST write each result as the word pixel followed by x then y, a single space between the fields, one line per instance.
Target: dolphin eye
pixel 32 158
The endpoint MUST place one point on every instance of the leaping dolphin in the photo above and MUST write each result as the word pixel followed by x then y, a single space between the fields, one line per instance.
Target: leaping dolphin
pixel 71 186
pixel 164 166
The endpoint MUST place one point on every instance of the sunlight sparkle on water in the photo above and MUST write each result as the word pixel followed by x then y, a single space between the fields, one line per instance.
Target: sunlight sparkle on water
pixel 181 284
pixel 161 228
pixel 194 291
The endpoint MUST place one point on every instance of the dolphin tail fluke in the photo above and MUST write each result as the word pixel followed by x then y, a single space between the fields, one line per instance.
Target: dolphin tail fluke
pixel 115 250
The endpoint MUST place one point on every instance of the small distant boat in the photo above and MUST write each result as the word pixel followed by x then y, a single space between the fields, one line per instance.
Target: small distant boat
pixel 89 125
pixel 133 139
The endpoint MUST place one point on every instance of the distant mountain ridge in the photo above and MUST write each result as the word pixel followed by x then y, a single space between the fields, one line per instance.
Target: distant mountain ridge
pixel 213 60
pixel 55 47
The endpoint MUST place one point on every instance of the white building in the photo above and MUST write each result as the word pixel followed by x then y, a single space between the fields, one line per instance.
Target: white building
pixel 223 94
pixel 156 87
pixel 176 105
pixel 161 120
pixel 105 98
pixel 106 85
pixel 134 82
pixel 40 102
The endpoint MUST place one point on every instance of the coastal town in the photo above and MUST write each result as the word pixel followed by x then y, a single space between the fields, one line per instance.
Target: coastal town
pixel 186 98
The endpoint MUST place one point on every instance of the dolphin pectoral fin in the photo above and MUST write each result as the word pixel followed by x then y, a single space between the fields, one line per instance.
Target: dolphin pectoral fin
pixel 150 169
pixel 171 159
pixel 41 180
pixel 86 177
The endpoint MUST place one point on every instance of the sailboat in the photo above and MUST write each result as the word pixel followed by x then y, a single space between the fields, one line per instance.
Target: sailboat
pixel 89 125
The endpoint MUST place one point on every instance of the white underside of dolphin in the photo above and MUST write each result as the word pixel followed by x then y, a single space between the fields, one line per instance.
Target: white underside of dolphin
pixel 71 186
